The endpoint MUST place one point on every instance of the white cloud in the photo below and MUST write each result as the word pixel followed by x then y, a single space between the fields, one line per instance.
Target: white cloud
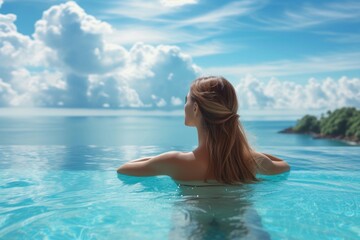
pixel 309 16
pixel 161 103
pixel 77 39
pixel 1 2
pixel 175 101
pixel 177 3
pixel 340 37
pixel 218 16
pixel 42 89
pixel 69 63
pixel 319 64
pixel 130 34
pixel 210 48
pixel 148 70
pixel 15 48
pixel 112 92
pixel 141 9
pixel 327 94
pixel 173 24
pixel 17 53
pixel 7 94
pixel 170 76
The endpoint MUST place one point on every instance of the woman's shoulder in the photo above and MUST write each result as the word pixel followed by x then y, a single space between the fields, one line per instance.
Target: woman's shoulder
pixel 174 161
pixel 173 154
pixel 177 155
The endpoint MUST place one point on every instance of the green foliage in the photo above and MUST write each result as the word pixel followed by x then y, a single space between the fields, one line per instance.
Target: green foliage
pixel 337 122
pixel 308 123
pixel 354 126
pixel 341 122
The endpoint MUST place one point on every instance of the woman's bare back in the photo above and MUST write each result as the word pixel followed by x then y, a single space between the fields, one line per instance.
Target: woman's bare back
pixel 194 167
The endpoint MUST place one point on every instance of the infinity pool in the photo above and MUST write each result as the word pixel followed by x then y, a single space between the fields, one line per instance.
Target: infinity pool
pixel 73 192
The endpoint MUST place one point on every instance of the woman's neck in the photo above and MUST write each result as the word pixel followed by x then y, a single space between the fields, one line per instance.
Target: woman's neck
pixel 202 134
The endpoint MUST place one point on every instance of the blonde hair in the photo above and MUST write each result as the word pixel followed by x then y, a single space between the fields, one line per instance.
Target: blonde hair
pixel 230 160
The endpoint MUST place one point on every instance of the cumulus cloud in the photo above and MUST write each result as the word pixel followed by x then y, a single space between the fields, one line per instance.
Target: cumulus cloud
pixel 161 103
pixel 44 89
pixel 15 48
pixel 326 94
pixel 163 70
pixel 7 94
pixel 112 92
pixel 176 101
pixel 17 54
pixel 75 66
pixel 77 39
pixel 69 62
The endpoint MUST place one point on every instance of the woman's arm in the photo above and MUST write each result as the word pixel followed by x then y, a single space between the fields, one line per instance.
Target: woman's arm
pixel 270 165
pixel 163 164
pixel 141 159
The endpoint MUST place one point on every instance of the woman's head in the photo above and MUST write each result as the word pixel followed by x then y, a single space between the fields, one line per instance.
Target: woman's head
pixel 212 104
pixel 215 98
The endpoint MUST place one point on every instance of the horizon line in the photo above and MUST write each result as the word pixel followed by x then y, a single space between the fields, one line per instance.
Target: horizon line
pixel 245 114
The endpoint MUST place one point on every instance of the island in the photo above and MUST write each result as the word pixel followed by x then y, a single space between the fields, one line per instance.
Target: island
pixel 341 124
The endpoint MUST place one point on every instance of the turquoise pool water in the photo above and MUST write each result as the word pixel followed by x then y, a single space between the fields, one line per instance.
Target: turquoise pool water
pixel 53 187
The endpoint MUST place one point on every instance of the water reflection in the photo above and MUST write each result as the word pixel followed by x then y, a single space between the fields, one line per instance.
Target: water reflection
pixel 216 213
pixel 72 158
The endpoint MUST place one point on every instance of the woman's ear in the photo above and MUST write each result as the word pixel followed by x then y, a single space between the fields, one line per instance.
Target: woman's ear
pixel 196 108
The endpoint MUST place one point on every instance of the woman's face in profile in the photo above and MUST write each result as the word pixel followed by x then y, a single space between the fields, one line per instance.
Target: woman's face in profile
pixel 189 113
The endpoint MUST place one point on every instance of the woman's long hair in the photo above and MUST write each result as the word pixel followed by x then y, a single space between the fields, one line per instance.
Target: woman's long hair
pixel 230 155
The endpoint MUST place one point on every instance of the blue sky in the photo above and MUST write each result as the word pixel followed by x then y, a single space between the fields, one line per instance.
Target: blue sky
pixel 144 54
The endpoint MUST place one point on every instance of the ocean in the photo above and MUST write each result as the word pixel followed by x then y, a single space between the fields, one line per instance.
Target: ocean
pixel 59 181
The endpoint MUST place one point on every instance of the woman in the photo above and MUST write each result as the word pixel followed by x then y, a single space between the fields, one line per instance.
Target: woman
pixel 223 155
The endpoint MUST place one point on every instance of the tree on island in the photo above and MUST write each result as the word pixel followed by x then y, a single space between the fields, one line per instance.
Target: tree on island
pixel 307 124
pixel 343 123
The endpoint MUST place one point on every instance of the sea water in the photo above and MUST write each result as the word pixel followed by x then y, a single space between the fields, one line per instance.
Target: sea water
pixel 58 181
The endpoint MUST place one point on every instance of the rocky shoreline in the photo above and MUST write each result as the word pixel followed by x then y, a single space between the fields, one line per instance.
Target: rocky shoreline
pixel 348 140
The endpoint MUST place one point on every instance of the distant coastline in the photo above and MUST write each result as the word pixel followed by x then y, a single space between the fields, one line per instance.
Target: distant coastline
pixel 348 140
pixel 342 124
